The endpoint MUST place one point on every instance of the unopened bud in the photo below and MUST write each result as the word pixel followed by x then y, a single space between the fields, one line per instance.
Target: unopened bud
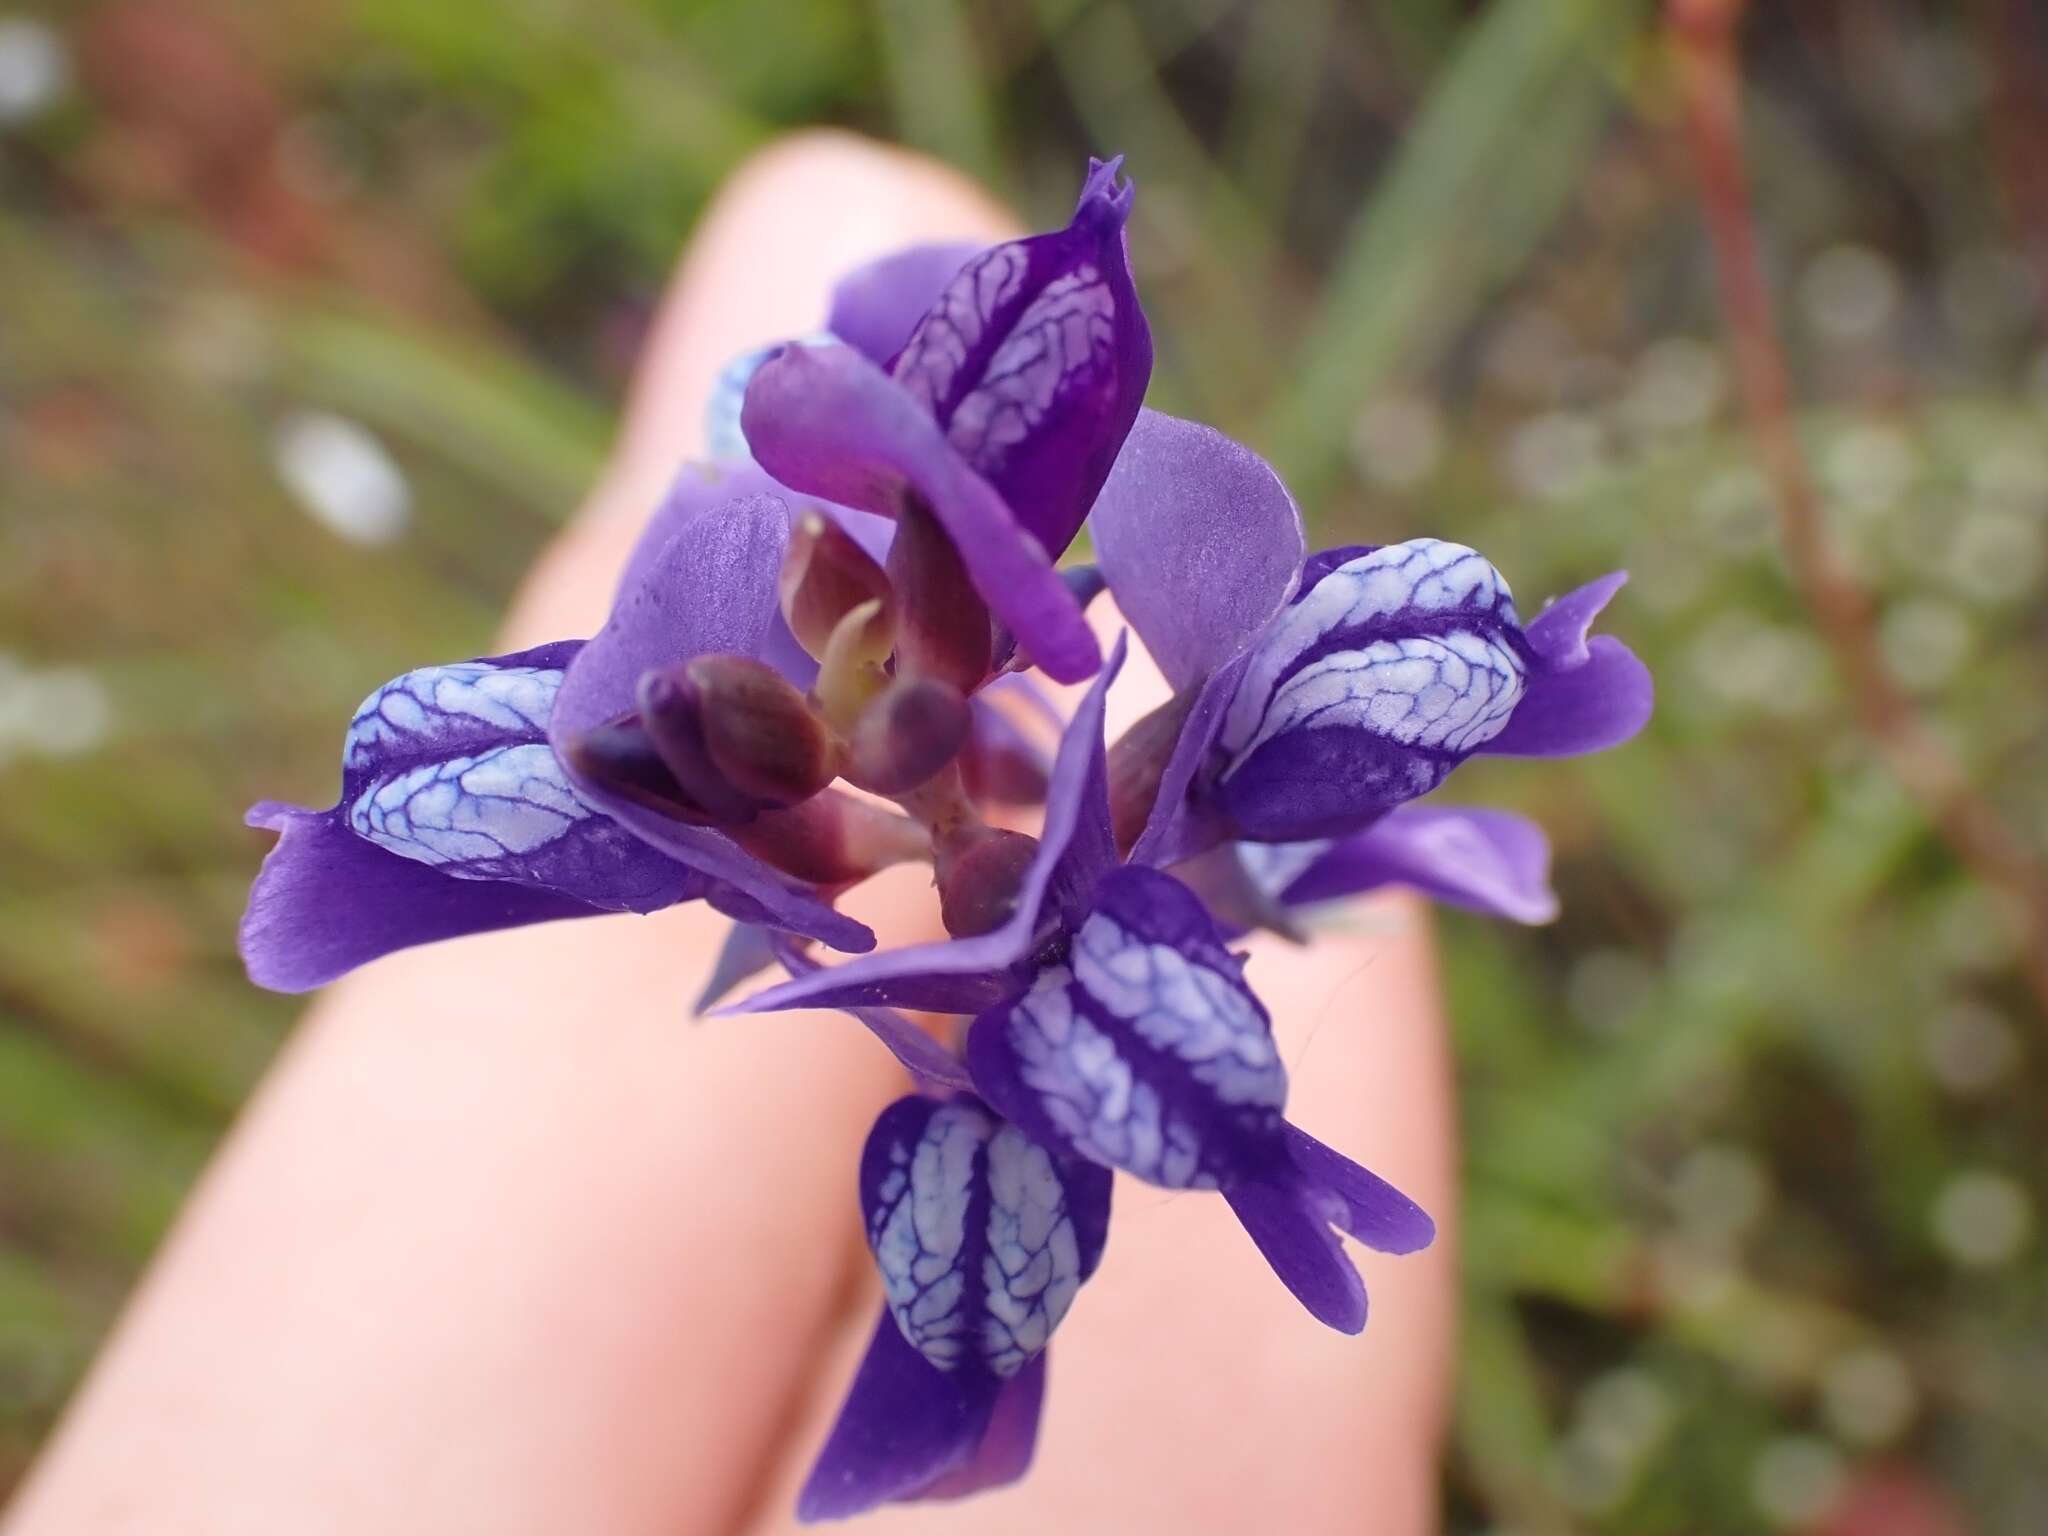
pixel 620 758
pixel 832 839
pixel 980 883
pixel 942 625
pixel 674 722
pixel 825 576
pixel 907 733
pixel 759 731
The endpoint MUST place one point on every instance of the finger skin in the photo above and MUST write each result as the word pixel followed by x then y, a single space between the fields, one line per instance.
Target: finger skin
pixel 506 1242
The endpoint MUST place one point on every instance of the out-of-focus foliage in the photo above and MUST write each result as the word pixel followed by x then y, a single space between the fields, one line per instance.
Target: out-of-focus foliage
pixel 1753 1133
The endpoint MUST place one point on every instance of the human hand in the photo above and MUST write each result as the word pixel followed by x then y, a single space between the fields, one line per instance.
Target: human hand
pixel 506 1244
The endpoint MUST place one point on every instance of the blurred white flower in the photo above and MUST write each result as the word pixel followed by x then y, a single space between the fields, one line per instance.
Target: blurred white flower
pixel 1868 467
pixel 1736 511
pixel 1969 1046
pixel 1925 640
pixel 1982 1219
pixel 1676 384
pixel 1997 557
pixel 1398 441
pixel 1624 1413
pixel 35 68
pixel 343 476
pixel 1868 1395
pixel 1555 456
pixel 1718 1192
pixel 1796 1480
pixel 54 711
pixel 1849 292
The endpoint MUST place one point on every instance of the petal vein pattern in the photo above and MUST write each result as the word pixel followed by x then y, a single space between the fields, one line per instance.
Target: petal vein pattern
pixel 1065 340
pixel 970 1278
pixel 1450 688
pixel 430 706
pixel 475 814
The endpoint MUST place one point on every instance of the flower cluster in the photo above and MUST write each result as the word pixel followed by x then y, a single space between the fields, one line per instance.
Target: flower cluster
pixel 804 680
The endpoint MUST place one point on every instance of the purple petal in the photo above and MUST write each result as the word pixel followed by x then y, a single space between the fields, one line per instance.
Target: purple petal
pixel 1587 694
pixel 699 489
pixel 1487 861
pixel 1369 1208
pixel 709 588
pixel 1034 359
pixel 1075 848
pixel 828 422
pixel 1009 1441
pixel 1558 633
pixel 1597 704
pixel 1199 540
pixel 327 901
pixel 1182 826
pixel 748 950
pixel 876 307
pixel 447 780
pixel 928 1062
pixel 1291 1227
pixel 905 1426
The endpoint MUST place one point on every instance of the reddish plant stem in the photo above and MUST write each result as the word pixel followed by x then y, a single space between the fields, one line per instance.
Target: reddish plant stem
pixel 1704 34
pixel 2019 124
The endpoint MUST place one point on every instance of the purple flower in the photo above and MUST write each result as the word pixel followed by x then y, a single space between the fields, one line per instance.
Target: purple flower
pixel 1114 1024
pixel 458 813
pixel 997 422
pixel 1316 695
pixel 982 1237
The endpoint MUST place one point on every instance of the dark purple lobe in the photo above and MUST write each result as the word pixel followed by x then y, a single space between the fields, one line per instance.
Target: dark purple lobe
pixel 1486 861
pixel 327 901
pixel 1587 694
pixel 1199 540
pixel 906 1426
pixel 1034 359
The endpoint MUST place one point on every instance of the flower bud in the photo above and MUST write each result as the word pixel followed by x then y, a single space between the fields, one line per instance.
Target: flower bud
pixel 620 756
pixel 907 733
pixel 674 723
pixel 1000 764
pixel 832 839
pixel 942 625
pixel 825 576
pixel 980 881
pixel 759 731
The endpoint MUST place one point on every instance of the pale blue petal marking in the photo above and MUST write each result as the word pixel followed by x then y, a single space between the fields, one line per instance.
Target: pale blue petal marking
pixel 1091 1094
pixel 461 704
pixel 1448 692
pixel 1030 1260
pixel 481 817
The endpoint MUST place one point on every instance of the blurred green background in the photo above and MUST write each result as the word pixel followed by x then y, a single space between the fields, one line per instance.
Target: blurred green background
pixel 313 317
